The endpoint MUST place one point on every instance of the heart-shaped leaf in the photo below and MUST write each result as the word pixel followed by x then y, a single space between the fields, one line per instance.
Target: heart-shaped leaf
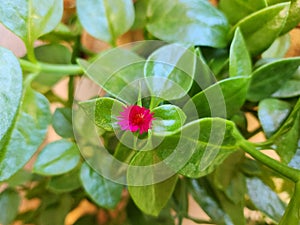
pixel 193 22
pixel 168 118
pixel 105 19
pixel 57 158
pixel 170 71
pixel 10 89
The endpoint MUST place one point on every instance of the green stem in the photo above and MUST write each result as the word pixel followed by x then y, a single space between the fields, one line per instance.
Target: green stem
pixel 50 68
pixel 199 221
pixel 30 53
pixel 282 169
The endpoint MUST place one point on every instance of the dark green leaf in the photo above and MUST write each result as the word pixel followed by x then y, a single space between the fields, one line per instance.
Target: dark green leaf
pixel 65 183
pixel 86 220
pixel 57 158
pixel 222 99
pixel 10 89
pixel 19 178
pixel 193 22
pixel 103 111
pixel 270 77
pixel 168 118
pixel 28 130
pixel 62 122
pixel 199 146
pixel 140 14
pixel 31 19
pixel 56 212
pixel 293 18
pixel 279 47
pixel 119 72
pixel 208 202
pixel 53 54
pixel 239 61
pixel 265 199
pixel 103 192
pixel 272 113
pixel 236 10
pixel 170 71
pixel 180 197
pixel 9 204
pixel 104 19
pixel 259 36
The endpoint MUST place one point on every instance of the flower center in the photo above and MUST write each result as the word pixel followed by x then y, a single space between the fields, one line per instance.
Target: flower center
pixel 138 119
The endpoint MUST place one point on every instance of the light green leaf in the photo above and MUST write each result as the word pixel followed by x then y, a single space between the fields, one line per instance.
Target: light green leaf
pixel 293 18
pixel 103 111
pixel 239 59
pixel 152 198
pixel 270 77
pixel 10 89
pixel 31 19
pixel 57 158
pixel 272 113
pixel 259 36
pixel 199 146
pixel 53 54
pixel 27 133
pixel 103 192
pixel 222 99
pixel 62 122
pixel 265 199
pixel 104 19
pixel 279 47
pixel 9 203
pixel 193 22
pixel 236 10
pixel 119 72
pixel 170 71
pixel 140 14
pixel 168 118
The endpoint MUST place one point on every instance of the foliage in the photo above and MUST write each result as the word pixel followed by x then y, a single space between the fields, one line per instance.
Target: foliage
pixel 202 71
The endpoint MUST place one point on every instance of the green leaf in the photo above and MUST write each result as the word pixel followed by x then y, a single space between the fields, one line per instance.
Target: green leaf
pixel 103 111
pixel 103 192
pixel 279 47
pixel 56 158
pixel 65 183
pixel 289 89
pixel 291 214
pixel 86 220
pixel 31 19
pixel 168 118
pixel 140 21
pixel 293 18
pixel 119 72
pixel 192 22
pixel 62 122
pixel 169 71
pixel 152 198
pixel 272 113
pixel 239 59
pixel 269 77
pixel 286 145
pixel 259 36
pixel 10 89
pixel 265 199
pixel 199 147
pixel 236 10
pixel 27 133
pixel 53 54
pixel 208 202
pixel 9 203
pixel 56 212
pixel 19 178
pixel 222 99
pixel 180 198
pixel 104 19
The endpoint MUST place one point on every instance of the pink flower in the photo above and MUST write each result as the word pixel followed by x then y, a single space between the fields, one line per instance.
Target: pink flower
pixel 135 118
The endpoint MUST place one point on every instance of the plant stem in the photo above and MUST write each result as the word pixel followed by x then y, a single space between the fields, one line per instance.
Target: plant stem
pixel 199 221
pixel 51 68
pixel 282 169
